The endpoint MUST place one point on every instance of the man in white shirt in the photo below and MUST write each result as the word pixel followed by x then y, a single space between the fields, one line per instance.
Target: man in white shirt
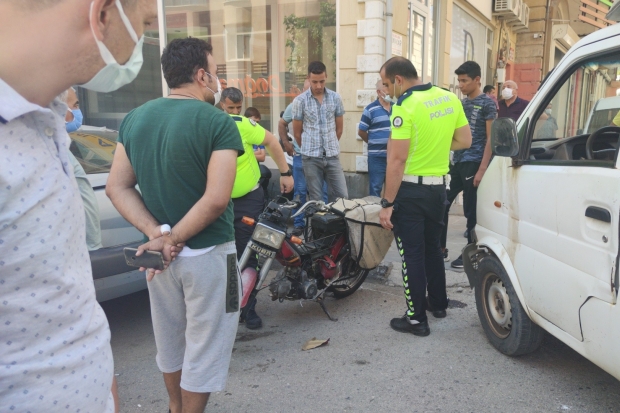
pixel 55 352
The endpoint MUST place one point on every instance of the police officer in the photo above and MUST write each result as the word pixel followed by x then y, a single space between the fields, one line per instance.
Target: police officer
pixel 248 197
pixel 427 122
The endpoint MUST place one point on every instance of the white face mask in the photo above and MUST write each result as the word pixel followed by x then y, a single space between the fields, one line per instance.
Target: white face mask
pixel 216 95
pixel 390 99
pixel 507 93
pixel 113 75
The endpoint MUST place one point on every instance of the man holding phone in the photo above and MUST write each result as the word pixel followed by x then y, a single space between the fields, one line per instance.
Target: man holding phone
pixel 182 151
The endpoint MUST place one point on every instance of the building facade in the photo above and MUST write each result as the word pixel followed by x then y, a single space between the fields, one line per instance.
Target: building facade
pixel 263 47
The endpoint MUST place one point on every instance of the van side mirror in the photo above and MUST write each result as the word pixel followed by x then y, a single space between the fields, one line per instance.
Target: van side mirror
pixel 504 138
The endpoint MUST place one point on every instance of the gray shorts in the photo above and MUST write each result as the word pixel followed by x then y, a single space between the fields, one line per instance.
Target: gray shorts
pixel 195 312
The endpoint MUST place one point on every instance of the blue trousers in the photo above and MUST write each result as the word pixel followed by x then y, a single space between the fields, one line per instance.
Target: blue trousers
pixel 301 189
pixel 376 173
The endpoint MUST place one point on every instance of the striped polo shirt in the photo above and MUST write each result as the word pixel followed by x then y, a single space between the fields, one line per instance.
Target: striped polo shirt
pixel 376 121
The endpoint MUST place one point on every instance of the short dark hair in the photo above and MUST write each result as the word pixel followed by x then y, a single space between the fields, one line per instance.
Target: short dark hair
pixel 235 95
pixel 470 69
pixel 252 112
pixel 488 88
pixel 182 58
pixel 400 66
pixel 317 68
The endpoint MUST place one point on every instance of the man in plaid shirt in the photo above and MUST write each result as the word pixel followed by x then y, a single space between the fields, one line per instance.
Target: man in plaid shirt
pixel 317 128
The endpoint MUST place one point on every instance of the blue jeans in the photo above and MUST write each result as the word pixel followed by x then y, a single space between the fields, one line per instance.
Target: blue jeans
pixel 301 189
pixel 376 173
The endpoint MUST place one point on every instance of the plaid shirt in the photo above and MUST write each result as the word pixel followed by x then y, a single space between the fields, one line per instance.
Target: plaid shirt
pixel 319 122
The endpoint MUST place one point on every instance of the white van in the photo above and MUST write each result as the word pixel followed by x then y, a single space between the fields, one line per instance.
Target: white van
pixel 546 246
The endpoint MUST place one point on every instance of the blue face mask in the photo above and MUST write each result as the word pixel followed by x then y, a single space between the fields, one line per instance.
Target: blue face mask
pixel 76 122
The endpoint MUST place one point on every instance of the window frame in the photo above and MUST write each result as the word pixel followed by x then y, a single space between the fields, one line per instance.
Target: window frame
pixel 526 131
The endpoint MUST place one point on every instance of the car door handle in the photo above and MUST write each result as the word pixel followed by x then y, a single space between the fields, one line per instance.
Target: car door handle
pixel 598 213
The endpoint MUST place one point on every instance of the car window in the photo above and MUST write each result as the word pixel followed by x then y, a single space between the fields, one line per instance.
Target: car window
pixel 578 108
pixel 93 151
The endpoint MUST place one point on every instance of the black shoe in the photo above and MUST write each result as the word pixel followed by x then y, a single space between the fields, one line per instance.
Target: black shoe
pixel 298 231
pixel 403 325
pixel 457 263
pixel 248 314
pixel 436 313
pixel 446 257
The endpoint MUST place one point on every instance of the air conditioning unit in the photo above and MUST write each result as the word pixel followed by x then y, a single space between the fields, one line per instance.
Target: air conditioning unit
pixel 524 21
pixel 510 19
pixel 507 8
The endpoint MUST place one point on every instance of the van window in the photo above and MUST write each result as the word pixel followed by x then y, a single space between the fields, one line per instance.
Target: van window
pixel 584 103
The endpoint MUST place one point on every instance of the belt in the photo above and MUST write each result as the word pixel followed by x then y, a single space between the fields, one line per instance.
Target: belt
pixel 425 180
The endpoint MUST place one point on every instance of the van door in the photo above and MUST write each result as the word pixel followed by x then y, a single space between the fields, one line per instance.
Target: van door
pixel 568 202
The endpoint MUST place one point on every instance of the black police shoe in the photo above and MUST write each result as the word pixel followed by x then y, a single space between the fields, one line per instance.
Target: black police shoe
pixel 403 325
pixel 249 316
pixel 436 313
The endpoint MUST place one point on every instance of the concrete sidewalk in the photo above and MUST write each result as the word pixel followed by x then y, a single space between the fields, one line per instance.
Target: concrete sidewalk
pixel 389 272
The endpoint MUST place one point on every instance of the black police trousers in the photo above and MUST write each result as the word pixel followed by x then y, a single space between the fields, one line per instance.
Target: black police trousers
pixel 250 205
pixel 418 224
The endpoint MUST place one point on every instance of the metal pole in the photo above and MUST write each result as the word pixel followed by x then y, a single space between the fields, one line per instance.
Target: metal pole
pixel 409 39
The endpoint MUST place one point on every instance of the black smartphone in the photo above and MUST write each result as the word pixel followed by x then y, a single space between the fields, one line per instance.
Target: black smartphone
pixel 148 259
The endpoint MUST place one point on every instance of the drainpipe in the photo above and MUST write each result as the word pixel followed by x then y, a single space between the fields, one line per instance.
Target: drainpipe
pixel 547 40
pixel 409 39
pixel 388 29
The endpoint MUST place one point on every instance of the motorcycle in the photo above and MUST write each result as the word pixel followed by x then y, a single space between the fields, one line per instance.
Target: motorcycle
pixel 312 266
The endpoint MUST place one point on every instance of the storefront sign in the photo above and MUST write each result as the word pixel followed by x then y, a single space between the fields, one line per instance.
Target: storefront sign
pixel 397 44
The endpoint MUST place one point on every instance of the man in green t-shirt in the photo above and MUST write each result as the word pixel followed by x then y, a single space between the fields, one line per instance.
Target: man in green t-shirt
pixel 427 122
pixel 182 152
pixel 248 196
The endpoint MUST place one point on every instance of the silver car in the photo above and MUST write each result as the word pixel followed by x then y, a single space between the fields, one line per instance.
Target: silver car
pixel 94 149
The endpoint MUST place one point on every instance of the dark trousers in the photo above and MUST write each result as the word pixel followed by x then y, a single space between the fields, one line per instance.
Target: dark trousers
pixel 250 205
pixel 462 179
pixel 418 223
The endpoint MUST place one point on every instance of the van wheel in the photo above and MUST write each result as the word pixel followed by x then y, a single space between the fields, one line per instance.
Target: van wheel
pixel 503 319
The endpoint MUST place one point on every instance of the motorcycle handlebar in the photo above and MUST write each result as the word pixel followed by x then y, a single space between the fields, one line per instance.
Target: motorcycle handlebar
pixel 320 205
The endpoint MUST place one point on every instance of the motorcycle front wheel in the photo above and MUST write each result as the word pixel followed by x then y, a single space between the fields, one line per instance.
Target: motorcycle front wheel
pixel 349 281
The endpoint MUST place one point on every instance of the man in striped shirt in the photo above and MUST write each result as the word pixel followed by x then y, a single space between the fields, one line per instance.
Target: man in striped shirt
pixel 374 129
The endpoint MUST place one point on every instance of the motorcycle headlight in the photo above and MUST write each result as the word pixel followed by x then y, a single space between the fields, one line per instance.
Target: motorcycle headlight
pixel 268 236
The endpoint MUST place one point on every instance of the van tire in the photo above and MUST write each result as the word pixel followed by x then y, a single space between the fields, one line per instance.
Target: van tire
pixel 505 322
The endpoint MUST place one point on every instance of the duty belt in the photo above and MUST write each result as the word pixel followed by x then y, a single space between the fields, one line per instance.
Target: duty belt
pixel 425 180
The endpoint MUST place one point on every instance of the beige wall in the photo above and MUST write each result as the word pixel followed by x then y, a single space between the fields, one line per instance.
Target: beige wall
pixel 349 47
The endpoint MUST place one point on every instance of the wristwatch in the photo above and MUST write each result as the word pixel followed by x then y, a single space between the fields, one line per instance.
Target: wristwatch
pixel 165 229
pixel 287 173
pixel 385 203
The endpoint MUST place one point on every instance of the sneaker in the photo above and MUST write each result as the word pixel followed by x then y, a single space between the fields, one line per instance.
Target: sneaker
pixel 457 263
pixel 403 325
pixel 436 313
pixel 297 231
pixel 446 257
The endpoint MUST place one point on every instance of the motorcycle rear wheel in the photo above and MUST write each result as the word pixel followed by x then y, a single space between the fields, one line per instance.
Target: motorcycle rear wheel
pixel 351 281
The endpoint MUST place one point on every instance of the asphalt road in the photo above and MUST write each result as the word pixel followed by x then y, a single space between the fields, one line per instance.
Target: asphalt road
pixel 367 367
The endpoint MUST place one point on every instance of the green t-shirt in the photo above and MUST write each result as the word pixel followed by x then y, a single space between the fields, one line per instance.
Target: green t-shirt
pixel 248 171
pixel 428 116
pixel 169 143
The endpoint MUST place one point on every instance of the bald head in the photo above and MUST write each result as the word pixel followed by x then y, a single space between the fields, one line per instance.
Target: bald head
pixel 511 84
